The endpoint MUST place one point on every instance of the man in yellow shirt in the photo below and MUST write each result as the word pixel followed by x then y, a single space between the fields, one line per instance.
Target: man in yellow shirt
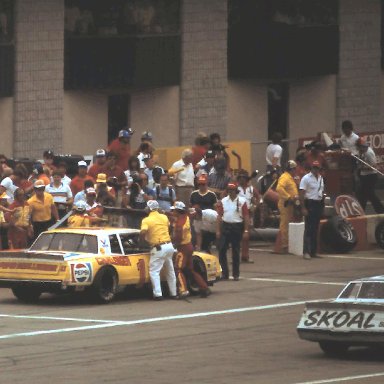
pixel 155 230
pixel 288 194
pixel 184 263
pixel 43 209
pixel 79 218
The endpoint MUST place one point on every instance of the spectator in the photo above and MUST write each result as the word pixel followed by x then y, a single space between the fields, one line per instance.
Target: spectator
pixel 121 146
pixel 274 152
pixel 206 165
pixel 184 176
pixel 233 223
pixel 145 151
pixel 146 137
pixel 24 183
pixel 98 166
pixel 349 138
pixel 218 148
pixel 43 209
pixel 115 174
pixel 133 169
pixel 368 177
pixel 81 196
pixel 182 238
pixel 105 194
pixel 9 185
pixel 315 153
pixel 20 230
pixel 48 158
pixel 77 183
pixel 80 217
pixel 149 168
pixel 202 144
pixel 62 168
pixel 218 180
pixel 94 208
pixel 164 194
pixel 61 193
pixel 39 174
pixel 4 168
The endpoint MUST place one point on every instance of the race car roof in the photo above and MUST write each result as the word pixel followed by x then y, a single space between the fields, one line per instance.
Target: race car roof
pixel 96 230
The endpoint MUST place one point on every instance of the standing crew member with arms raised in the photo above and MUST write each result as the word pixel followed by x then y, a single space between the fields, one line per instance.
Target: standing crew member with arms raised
pixel 155 230
pixel 312 202
pixel 288 195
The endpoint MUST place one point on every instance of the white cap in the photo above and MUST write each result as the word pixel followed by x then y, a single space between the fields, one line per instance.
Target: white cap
pixel 82 163
pixel 179 205
pixel 80 206
pixel 100 153
pixel 152 205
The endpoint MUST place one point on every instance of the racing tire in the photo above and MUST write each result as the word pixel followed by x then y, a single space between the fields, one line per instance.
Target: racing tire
pixel 379 234
pixel 199 267
pixel 26 294
pixel 104 286
pixel 338 235
pixel 333 348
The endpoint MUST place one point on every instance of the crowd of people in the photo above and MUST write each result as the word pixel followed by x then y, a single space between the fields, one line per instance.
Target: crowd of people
pixel 200 197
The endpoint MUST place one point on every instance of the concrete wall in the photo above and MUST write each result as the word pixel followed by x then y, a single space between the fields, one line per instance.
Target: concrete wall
pixel 156 110
pixel 85 122
pixel 248 116
pixel 6 125
pixel 358 81
pixel 39 37
pixel 312 108
pixel 204 68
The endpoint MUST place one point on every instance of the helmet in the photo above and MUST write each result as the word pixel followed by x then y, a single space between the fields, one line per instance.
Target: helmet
pixel 126 133
pixel 80 206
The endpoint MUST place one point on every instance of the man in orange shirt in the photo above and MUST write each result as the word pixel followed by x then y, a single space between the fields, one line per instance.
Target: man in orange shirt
pixel 98 166
pixel 184 262
pixel 77 183
pixel 121 146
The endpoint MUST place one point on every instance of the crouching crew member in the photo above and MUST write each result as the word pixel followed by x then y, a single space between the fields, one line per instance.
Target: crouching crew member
pixel 232 227
pixel 79 218
pixel 155 230
pixel 184 262
pixel 288 195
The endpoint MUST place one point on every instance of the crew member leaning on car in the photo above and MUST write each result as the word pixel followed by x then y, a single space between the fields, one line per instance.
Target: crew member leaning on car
pixel 155 230
pixel 43 209
pixel 182 238
pixel 288 193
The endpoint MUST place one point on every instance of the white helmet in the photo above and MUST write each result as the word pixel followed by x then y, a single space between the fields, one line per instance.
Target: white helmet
pixel 80 206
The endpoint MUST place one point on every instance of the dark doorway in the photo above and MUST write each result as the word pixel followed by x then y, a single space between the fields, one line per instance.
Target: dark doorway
pixel 118 114
pixel 278 99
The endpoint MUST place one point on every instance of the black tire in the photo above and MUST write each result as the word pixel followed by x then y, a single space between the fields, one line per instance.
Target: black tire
pixel 333 348
pixel 338 235
pixel 104 286
pixel 379 234
pixel 199 267
pixel 26 294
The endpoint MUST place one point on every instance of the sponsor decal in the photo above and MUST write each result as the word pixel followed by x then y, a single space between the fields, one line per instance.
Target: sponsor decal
pixel 30 266
pixel 81 272
pixel 342 320
pixel 114 260
pixel 348 206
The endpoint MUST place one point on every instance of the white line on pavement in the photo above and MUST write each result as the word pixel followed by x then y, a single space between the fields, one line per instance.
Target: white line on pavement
pixel 113 323
pixel 292 281
pixel 346 378
pixel 56 318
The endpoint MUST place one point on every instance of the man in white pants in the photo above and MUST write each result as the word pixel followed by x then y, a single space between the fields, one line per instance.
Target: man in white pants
pixel 155 230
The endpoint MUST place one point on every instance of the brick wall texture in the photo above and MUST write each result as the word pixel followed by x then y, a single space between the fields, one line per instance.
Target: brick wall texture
pixel 203 98
pixel 38 108
pixel 359 78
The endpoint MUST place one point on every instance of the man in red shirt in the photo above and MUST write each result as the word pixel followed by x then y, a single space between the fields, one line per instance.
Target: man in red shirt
pixel 98 166
pixel 77 183
pixel 121 146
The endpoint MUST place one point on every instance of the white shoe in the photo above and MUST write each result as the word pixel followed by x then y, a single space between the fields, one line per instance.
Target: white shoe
pixel 307 256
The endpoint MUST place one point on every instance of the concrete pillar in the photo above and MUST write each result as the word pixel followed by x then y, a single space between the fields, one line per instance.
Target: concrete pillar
pixel 204 81
pixel 39 74
pixel 359 78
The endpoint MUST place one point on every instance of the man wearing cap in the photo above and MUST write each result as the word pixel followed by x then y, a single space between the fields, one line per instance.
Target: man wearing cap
pixel 43 209
pixel 232 227
pixel 368 177
pixel 122 147
pixel 206 165
pixel 312 203
pixel 202 198
pixel 98 166
pixel 77 183
pixel 61 193
pixel 182 238
pixel 155 230
pixel 184 176
pixel 146 137
pixel 288 196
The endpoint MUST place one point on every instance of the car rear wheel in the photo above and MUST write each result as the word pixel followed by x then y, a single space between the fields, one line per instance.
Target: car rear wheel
pixel 26 294
pixel 199 267
pixel 333 348
pixel 104 286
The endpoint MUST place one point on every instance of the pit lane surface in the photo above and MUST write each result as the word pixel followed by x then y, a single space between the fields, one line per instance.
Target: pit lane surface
pixel 243 333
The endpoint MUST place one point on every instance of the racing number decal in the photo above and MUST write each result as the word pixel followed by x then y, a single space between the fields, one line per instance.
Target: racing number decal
pixel 141 269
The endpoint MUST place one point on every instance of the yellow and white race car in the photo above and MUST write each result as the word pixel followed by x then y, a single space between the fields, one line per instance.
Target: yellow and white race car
pixel 100 261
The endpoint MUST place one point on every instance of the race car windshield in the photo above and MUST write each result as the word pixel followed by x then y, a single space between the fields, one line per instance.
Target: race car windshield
pixel 66 242
pixel 366 290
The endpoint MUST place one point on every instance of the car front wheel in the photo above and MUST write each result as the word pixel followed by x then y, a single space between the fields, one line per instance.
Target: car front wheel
pixel 333 348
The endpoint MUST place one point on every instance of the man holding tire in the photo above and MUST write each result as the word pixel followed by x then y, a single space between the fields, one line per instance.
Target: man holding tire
pixel 312 202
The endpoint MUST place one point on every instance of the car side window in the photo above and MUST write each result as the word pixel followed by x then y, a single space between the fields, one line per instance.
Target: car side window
pixel 115 245
pixel 131 244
